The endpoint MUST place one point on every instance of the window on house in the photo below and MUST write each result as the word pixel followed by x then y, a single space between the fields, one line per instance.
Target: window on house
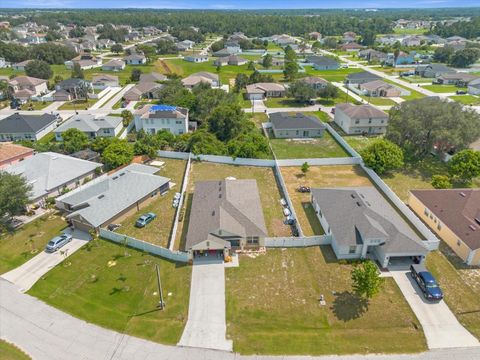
pixel 178 122
pixel 357 121
pixel 352 249
pixel 252 240
pixel 369 121
pixel 459 243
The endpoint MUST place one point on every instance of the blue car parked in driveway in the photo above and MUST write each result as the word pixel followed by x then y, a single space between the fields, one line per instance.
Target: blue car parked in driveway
pixel 57 242
pixel 426 282
pixel 145 219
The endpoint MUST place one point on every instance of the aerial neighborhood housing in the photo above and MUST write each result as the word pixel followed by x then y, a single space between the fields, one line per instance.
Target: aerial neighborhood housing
pixel 85 61
pixel 201 77
pixel 295 125
pixel 155 118
pixel 23 88
pixel 225 215
pixel 91 125
pixel 26 127
pixel 259 91
pixel 323 62
pixel 109 198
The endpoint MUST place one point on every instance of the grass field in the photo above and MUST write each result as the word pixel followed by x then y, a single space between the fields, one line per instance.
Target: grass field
pixel 460 285
pixel 267 187
pixel 186 68
pixel 116 287
pixel 78 104
pixel 273 308
pixel 324 147
pixel 11 352
pixel 258 118
pixel 379 101
pixel 331 75
pixel 443 88
pixel 318 176
pixel 360 142
pixel 283 102
pixel 466 99
pixel 20 246
pixel 158 231
pixel 35 105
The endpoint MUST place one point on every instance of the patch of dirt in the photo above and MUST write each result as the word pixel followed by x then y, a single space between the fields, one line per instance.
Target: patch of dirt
pixel 165 67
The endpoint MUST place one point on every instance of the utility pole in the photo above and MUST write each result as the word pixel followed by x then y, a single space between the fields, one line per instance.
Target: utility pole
pixel 161 304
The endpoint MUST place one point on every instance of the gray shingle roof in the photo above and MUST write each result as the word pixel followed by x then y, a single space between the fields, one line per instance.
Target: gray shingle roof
pixel 362 76
pixel 88 123
pixel 104 198
pixel 322 60
pixel 48 171
pixel 225 206
pixel 18 123
pixel 288 121
pixel 363 111
pixel 362 212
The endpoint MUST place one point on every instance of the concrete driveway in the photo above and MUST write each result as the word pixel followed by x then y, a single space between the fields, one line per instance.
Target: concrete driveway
pixel 206 327
pixel 26 275
pixel 441 327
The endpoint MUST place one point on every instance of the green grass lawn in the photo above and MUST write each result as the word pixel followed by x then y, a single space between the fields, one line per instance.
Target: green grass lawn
pixel 116 287
pixel 186 68
pixel 11 352
pixel 35 105
pixel 273 308
pixel 158 231
pixel 258 118
pixel 322 115
pixel 21 245
pixel 410 31
pixel 318 176
pixel 379 101
pixel 443 88
pixel 460 285
pixel 331 75
pixel 417 79
pixel 323 147
pixel 360 142
pixel 466 99
pixel 283 102
pixel 78 104
pixel 10 72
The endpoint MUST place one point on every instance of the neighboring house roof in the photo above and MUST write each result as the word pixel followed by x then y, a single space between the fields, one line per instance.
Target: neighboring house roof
pixel 351 46
pixel 264 87
pixel 89 123
pixel 322 61
pixel 199 77
pixel 86 154
pixel 133 57
pixel 475 83
pixel 18 123
pixel 114 63
pixel 162 112
pixel 289 121
pixel 362 76
pixel 458 209
pixel 143 88
pixel 436 68
pixel 377 85
pixel 22 63
pixel 24 80
pixel 104 198
pixel 152 77
pixel 361 111
pixel 48 171
pixel 225 206
pixel 72 83
pixel 459 76
pixel 358 213
pixel 9 151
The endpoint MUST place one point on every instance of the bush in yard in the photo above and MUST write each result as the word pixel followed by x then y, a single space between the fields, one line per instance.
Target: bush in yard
pixel 382 156
pixel 441 182
pixel 13 194
pixel 366 279
pixel 464 166
pixel 127 117
pixel 301 91
pixel 74 140
pixel 305 167
pixel 117 153
pixel 38 69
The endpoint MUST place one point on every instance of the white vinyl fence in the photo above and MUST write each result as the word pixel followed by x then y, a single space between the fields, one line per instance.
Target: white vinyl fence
pixel 284 242
pixel 144 246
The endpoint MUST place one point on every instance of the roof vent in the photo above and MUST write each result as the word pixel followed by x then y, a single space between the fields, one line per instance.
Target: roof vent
pixel 358 204
pixel 122 174
pixel 101 196
pixel 115 178
pixel 213 213
pixel 353 196
pixel 477 220
pixel 472 227
pixel 220 195
pixel 463 194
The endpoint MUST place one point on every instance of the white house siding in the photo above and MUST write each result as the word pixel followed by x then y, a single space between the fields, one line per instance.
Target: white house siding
pixel 152 126
pixel 474 90
pixel 297 133
pixel 255 96
pixel 369 126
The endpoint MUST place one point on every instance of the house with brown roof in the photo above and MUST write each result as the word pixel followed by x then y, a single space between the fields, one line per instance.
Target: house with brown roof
pixel 454 215
pixel 260 91
pixel 225 215
pixel 315 35
pixel 380 88
pixel 315 82
pixel 12 153
pixel 142 90
pixel 230 60
pixel 24 87
pixel 201 77
pixel 456 78
pixel 152 77
pixel 20 66
pixel 105 80
pixel 85 61
pixel 360 119
pixel 351 47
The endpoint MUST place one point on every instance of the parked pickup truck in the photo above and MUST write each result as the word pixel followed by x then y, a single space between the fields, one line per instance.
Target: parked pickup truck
pixel 426 282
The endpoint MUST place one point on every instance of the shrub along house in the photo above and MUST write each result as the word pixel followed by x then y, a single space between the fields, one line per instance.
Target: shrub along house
pixel 109 199
pixel 225 215
pixel 296 125
pixel 362 224
pixel 454 215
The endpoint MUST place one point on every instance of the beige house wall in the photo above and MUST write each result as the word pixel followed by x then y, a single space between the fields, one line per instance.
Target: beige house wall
pixel 447 235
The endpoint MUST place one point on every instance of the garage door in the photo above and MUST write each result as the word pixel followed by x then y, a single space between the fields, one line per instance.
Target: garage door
pixel 81 226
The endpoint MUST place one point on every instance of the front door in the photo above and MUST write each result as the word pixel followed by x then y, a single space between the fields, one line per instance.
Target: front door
pixel 305 133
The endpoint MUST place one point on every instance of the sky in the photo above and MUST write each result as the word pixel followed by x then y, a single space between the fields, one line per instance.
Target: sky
pixel 242 4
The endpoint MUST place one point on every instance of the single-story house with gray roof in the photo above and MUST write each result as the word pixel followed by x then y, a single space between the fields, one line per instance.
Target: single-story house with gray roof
pixel 296 125
pixel 109 199
pixel 26 127
pixel 362 224
pixel 226 214
pixel 93 126
pixel 361 77
pixel 323 62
